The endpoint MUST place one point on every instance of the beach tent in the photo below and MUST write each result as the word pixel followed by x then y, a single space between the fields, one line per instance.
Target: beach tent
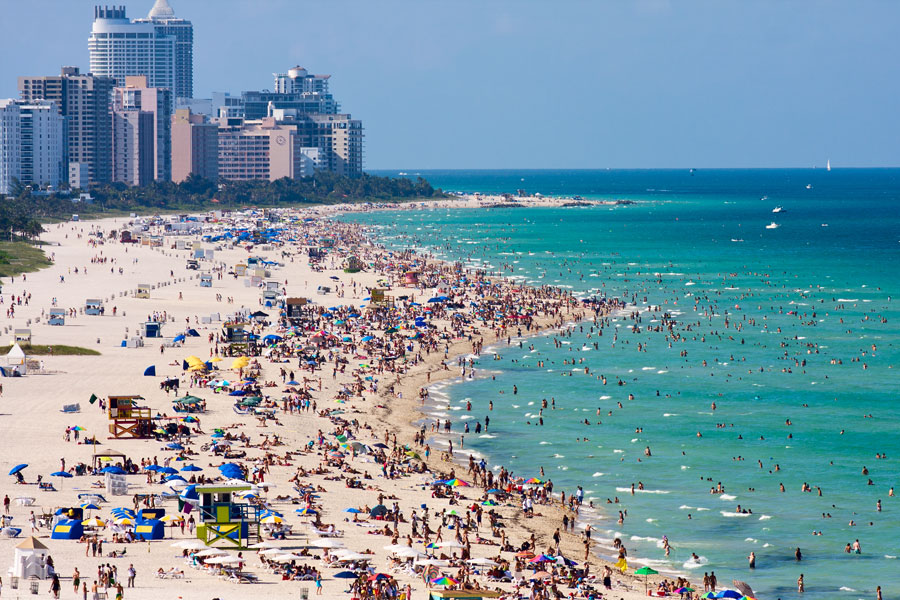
pixel 30 560
pixel 150 371
pixel 68 529
pixel 16 359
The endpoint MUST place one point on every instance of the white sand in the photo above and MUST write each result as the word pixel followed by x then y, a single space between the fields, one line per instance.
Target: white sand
pixel 33 426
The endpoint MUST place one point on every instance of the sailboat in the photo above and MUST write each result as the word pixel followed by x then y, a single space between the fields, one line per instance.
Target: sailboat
pixel 828 165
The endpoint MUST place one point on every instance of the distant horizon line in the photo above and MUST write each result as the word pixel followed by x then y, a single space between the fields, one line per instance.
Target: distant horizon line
pixel 410 170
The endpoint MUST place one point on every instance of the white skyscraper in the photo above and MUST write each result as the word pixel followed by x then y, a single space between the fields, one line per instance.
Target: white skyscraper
pixel 159 46
pixel 32 144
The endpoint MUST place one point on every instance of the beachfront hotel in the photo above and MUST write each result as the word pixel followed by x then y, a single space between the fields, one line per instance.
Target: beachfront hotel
pixel 195 146
pixel 32 144
pixel 85 100
pixel 268 149
pixel 142 139
pixel 160 46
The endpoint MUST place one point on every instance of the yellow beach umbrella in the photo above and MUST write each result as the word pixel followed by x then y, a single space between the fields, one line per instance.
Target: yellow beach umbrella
pixel 94 522
pixel 172 518
pixel 192 360
pixel 271 519
pixel 216 359
pixel 240 362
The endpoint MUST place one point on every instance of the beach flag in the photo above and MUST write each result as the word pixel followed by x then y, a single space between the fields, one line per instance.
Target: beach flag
pixel 93 398
pixel 622 565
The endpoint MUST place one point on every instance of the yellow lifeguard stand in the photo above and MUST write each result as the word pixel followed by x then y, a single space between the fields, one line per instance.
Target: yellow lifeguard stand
pixel 224 520
pixel 143 290
pixel 127 419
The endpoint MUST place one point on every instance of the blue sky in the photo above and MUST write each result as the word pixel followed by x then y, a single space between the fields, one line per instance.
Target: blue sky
pixel 559 83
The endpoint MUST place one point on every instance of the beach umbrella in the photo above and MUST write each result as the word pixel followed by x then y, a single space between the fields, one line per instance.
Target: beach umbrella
pixel 733 594
pixel 345 575
pixel 494 491
pixel 89 506
pixel 444 580
pixel 174 446
pixel 742 587
pixel 355 511
pixel 61 474
pixel 262 546
pixel 645 571
pixel 287 558
pixel 113 470
pixel 171 518
pixel 76 428
pixel 94 522
pixel 211 552
pixel 486 562
pixel 178 338
pixel 271 519
pixel 167 470
pixel 542 558
pixel 534 481
pixel 306 511
pixel 456 483
pixel 525 554
pixel 378 511
pixel 684 590
pixel 325 543
pixel 124 521
pixel 17 469
pixel 152 468
pixel 191 468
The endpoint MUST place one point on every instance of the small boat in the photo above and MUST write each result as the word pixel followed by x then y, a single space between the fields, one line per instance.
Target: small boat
pixel 828 165
pixel 824 224
pixel 809 186
pixel 777 209
pixel 736 240
pixel 773 225
pixel 764 198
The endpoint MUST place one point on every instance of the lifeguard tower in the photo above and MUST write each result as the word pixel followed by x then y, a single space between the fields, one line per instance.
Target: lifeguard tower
pixel 411 278
pixel 143 290
pixel 206 280
pixel 93 306
pixel 57 316
pixel 352 265
pixel 151 329
pixel 240 269
pixel 379 299
pixel 127 419
pixel 224 520
pixel 21 336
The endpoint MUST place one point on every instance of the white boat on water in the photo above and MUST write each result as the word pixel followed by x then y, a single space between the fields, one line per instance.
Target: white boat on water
pixel 773 225
pixel 828 165
pixel 809 186
pixel 777 209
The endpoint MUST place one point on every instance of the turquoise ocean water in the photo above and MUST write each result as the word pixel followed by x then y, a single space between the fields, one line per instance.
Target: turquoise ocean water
pixel 795 324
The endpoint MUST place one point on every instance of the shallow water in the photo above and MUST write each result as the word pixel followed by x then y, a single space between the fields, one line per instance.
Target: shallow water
pixel 789 289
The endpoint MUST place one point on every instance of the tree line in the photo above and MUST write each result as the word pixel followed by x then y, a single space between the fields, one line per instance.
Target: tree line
pixel 22 211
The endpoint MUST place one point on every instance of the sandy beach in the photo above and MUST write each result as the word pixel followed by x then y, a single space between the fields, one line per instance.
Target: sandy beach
pixel 377 405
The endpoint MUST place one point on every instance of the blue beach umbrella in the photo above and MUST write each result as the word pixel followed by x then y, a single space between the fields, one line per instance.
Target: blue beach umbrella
pixel 113 470
pixel 174 446
pixel 61 474
pixel 167 470
pixel 152 468
pixel 17 469
pixel 355 511
pixel 178 338
pixel 191 468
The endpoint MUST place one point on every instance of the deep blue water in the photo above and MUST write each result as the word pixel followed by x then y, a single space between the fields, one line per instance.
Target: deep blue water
pixel 821 288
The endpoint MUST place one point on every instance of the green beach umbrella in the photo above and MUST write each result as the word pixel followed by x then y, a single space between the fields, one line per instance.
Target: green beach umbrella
pixel 645 571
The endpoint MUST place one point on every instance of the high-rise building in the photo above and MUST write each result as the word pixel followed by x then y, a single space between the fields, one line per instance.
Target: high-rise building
pixel 160 46
pixel 195 146
pixel 167 24
pixel 133 146
pixel 264 149
pixel 135 97
pixel 86 103
pixel 32 144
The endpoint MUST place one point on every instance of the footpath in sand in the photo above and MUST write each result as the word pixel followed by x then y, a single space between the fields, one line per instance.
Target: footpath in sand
pixel 365 391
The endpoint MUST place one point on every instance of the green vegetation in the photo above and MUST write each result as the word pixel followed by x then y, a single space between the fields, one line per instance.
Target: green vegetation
pixel 52 350
pixel 22 212
pixel 20 257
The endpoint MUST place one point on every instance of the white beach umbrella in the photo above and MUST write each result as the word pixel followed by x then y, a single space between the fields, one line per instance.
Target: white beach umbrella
pixel 223 560
pixel 287 558
pixel 272 551
pixel 433 561
pixel 449 544
pixel 408 553
pixel 325 543
pixel 211 552
pixel 482 561
pixel 395 547
pixel 354 556
pixel 262 546
pixel 189 544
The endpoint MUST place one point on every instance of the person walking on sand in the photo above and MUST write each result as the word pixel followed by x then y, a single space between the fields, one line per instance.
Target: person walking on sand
pixel 132 573
pixel 318 584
